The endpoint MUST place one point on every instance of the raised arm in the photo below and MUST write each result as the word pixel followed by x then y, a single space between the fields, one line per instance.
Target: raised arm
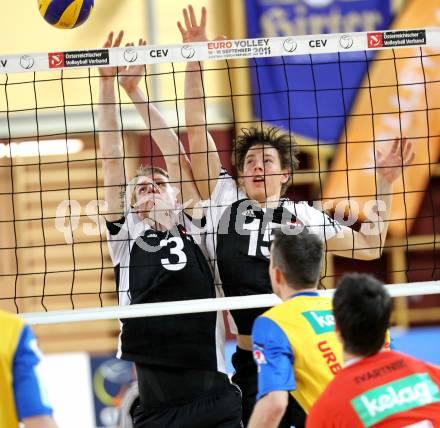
pixel 110 139
pixel 203 151
pixel 369 242
pixel 177 163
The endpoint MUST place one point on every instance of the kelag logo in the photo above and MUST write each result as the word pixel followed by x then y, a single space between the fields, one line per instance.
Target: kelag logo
pixel 321 321
pixel 398 396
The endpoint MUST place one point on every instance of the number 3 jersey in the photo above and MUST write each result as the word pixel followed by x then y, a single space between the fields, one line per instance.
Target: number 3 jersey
pixel 153 266
pixel 239 236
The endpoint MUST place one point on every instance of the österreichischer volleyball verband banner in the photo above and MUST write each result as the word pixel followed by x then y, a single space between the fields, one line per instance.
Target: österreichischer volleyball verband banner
pixel 400 97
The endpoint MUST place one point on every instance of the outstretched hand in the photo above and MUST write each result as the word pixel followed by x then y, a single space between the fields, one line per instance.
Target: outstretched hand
pixel 192 32
pixel 111 72
pixel 129 77
pixel 390 166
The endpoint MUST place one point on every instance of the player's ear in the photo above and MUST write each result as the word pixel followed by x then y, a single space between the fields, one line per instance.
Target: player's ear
pixel 279 277
pixel 285 177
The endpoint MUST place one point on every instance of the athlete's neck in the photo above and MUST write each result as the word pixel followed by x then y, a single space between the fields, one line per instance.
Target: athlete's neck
pixel 165 222
pixel 286 292
pixel 270 201
pixel 347 356
pixel 350 358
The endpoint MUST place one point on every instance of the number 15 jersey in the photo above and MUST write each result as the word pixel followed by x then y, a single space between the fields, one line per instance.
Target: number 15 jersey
pixel 239 236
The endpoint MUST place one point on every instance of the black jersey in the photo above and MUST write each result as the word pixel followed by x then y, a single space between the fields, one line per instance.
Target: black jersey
pixel 154 266
pixel 243 232
pixel 243 239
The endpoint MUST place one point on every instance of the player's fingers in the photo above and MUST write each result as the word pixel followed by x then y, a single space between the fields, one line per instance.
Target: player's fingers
pixel 407 149
pixel 379 154
pixel 403 143
pixel 411 159
pixel 203 19
pixel 396 145
pixel 186 18
pixel 119 39
pixel 109 40
pixel 181 29
pixel 192 16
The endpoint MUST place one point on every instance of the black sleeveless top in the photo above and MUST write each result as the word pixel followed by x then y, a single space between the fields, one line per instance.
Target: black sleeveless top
pixel 243 239
pixel 168 266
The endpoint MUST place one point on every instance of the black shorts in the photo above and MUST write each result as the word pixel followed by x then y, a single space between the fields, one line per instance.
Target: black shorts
pixel 183 398
pixel 246 377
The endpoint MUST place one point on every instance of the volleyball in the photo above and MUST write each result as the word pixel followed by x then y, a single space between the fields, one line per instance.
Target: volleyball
pixel 65 13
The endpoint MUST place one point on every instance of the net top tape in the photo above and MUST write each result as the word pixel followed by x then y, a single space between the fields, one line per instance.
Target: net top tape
pixel 221 50
pixel 202 305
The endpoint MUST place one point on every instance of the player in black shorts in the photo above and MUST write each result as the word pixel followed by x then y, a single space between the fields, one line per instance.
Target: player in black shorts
pixel 243 213
pixel 157 259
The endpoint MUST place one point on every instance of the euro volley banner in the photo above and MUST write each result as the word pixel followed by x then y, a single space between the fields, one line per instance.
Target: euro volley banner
pixel 310 95
pixel 405 100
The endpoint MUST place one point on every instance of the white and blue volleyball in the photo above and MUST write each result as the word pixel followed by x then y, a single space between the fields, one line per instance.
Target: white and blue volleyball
pixel 65 13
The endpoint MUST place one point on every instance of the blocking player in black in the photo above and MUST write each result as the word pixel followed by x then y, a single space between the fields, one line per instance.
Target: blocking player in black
pixel 157 259
pixel 243 213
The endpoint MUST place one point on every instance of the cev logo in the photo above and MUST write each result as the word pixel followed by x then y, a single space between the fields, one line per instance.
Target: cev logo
pixel 320 321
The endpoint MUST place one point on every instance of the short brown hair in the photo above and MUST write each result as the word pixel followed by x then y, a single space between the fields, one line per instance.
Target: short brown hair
pixel 285 145
pixel 299 257
pixel 143 171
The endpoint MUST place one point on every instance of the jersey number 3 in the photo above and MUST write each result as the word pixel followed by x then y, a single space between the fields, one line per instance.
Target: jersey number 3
pixel 175 246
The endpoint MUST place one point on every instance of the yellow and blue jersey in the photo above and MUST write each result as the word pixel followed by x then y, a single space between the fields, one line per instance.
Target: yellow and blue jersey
pixel 21 391
pixel 296 349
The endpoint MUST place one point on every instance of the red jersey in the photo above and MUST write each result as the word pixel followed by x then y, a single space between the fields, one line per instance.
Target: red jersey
pixel 387 390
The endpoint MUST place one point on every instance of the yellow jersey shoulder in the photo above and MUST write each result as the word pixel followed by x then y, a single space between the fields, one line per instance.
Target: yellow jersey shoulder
pixel 299 304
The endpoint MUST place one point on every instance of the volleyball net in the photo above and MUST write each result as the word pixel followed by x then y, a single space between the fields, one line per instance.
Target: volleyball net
pixel 53 254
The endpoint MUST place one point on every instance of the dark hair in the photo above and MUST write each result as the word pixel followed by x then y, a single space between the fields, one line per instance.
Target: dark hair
pixel 362 309
pixel 283 143
pixel 299 257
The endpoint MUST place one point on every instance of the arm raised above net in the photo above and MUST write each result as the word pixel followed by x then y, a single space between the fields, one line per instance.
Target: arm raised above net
pixel 368 243
pixel 110 139
pixel 177 163
pixel 203 151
